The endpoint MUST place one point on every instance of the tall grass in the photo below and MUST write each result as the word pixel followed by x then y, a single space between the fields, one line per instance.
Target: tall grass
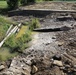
pixel 34 24
pixel 4 25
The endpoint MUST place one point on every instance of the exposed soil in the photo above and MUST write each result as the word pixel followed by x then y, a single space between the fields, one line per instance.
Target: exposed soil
pixel 60 47
pixel 50 53
pixel 52 5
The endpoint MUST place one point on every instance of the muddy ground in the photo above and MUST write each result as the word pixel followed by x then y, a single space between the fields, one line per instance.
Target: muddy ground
pixel 50 53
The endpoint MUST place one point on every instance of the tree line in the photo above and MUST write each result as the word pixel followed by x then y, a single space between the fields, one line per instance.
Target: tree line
pixel 12 4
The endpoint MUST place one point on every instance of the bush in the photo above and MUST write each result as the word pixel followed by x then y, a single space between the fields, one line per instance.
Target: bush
pixel 11 42
pixel 24 2
pixel 34 24
pixel 31 1
pixel 18 44
pixel 22 41
pixel 4 25
pixel 12 4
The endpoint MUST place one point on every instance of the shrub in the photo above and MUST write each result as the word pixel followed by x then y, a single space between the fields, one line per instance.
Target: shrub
pixel 11 42
pixel 4 25
pixel 34 24
pixel 18 44
pixel 12 4
pixel 31 1
pixel 24 2
pixel 22 42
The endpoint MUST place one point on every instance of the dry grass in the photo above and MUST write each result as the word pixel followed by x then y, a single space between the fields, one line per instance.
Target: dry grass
pixel 22 31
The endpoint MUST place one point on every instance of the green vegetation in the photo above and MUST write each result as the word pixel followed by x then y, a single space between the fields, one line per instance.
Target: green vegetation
pixel 4 25
pixel 5 54
pixel 18 44
pixel 15 3
pixel 15 43
pixel 3 4
pixel 12 4
pixel 34 24
pixel 22 31
pixel 3 7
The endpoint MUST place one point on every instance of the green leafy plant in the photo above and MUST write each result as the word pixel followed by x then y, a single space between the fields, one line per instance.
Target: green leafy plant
pixel 11 42
pixel 4 25
pixel 13 4
pixel 18 44
pixel 34 24
pixel 24 2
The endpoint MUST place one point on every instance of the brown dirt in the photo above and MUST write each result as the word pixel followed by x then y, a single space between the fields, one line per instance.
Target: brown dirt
pixel 51 53
pixel 52 5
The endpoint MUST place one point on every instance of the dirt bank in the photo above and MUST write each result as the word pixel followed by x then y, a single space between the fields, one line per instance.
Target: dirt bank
pixel 51 5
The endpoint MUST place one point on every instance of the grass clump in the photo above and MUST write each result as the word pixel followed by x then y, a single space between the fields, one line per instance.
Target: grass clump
pixel 18 44
pixel 34 24
pixel 4 25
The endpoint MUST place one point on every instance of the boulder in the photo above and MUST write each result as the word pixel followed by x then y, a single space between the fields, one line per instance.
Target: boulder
pixel 58 63
pixel 2 67
pixel 34 69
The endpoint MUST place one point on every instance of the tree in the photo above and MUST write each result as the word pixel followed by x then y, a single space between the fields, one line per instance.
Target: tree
pixel 24 2
pixel 12 4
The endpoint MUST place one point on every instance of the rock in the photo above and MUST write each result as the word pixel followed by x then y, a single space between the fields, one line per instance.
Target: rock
pixel 53 37
pixel 2 67
pixel 28 62
pixel 58 63
pixel 56 70
pixel 67 66
pixel 59 43
pixel 34 69
pixel 62 68
pixel 75 66
pixel 64 18
pixel 74 70
pixel 65 28
pixel 26 69
pixel 72 59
